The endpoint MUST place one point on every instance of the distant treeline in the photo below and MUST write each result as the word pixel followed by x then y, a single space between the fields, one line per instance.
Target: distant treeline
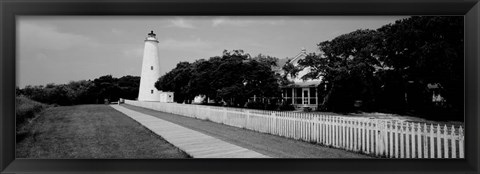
pixel 84 91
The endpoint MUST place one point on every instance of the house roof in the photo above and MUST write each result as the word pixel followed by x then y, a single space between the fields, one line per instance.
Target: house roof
pixel 294 60
pixel 297 82
pixel 299 56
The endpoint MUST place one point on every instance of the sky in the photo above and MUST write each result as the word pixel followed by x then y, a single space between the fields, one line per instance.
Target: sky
pixel 60 49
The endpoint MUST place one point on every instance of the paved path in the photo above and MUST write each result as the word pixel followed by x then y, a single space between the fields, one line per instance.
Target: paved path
pixel 196 144
pixel 267 144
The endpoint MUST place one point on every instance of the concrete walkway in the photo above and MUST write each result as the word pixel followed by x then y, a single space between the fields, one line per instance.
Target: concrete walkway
pixel 196 144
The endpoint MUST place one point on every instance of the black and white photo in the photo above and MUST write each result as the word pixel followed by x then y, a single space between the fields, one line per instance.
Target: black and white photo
pixel 156 87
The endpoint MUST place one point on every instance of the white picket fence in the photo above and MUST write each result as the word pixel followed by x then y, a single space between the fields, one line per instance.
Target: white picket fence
pixel 378 137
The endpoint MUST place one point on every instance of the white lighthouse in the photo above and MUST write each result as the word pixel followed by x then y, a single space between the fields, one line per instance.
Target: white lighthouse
pixel 150 70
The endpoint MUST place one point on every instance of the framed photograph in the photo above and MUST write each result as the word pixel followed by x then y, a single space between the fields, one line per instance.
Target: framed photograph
pixel 239 86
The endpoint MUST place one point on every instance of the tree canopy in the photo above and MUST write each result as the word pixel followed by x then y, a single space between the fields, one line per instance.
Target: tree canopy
pixel 347 65
pixel 392 67
pixel 232 78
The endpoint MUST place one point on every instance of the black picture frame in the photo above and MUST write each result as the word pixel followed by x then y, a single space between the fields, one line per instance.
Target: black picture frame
pixel 12 8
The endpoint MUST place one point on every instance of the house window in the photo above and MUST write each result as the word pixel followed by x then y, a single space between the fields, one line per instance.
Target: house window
pixel 151 67
pixel 313 92
pixel 298 95
pixel 151 91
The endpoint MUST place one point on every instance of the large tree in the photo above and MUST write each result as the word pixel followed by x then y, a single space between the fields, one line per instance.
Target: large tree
pixel 231 78
pixel 177 81
pixel 347 66
pixel 201 76
pixel 427 50
pixel 393 66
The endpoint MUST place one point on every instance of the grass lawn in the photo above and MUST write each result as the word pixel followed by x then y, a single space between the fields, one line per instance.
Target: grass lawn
pixel 90 131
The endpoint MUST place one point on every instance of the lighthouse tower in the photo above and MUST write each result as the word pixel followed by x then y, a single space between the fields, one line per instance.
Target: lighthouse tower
pixel 150 70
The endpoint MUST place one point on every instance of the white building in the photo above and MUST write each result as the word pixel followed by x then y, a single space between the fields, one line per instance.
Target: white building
pixel 302 93
pixel 166 97
pixel 150 70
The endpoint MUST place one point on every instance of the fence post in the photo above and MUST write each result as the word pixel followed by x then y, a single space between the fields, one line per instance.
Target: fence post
pixel 419 141
pixel 432 147
pixel 330 129
pixel 425 141
pixel 280 124
pixel 377 137
pixel 413 133
pixel 347 133
pixel 454 142
pixel 359 136
pixel 460 142
pixel 397 144
pixel 274 132
pixel 384 136
pixel 372 136
pixel 304 127
pixel 445 140
pixel 401 134
pixel 327 125
pixel 295 126
pixel 407 140
pixel 364 135
pixel 368 136
pixel 333 126
pixel 343 133
pixel 317 129
pixel 353 135
pixel 390 138
pixel 312 129
pixel 309 128
pixel 439 143
pixel 337 132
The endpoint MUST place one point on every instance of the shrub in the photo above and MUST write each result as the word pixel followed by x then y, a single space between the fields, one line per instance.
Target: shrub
pixel 255 105
pixel 261 106
pixel 26 109
pixel 286 107
pixel 307 109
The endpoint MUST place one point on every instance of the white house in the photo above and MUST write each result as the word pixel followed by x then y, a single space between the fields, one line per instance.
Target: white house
pixel 302 93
